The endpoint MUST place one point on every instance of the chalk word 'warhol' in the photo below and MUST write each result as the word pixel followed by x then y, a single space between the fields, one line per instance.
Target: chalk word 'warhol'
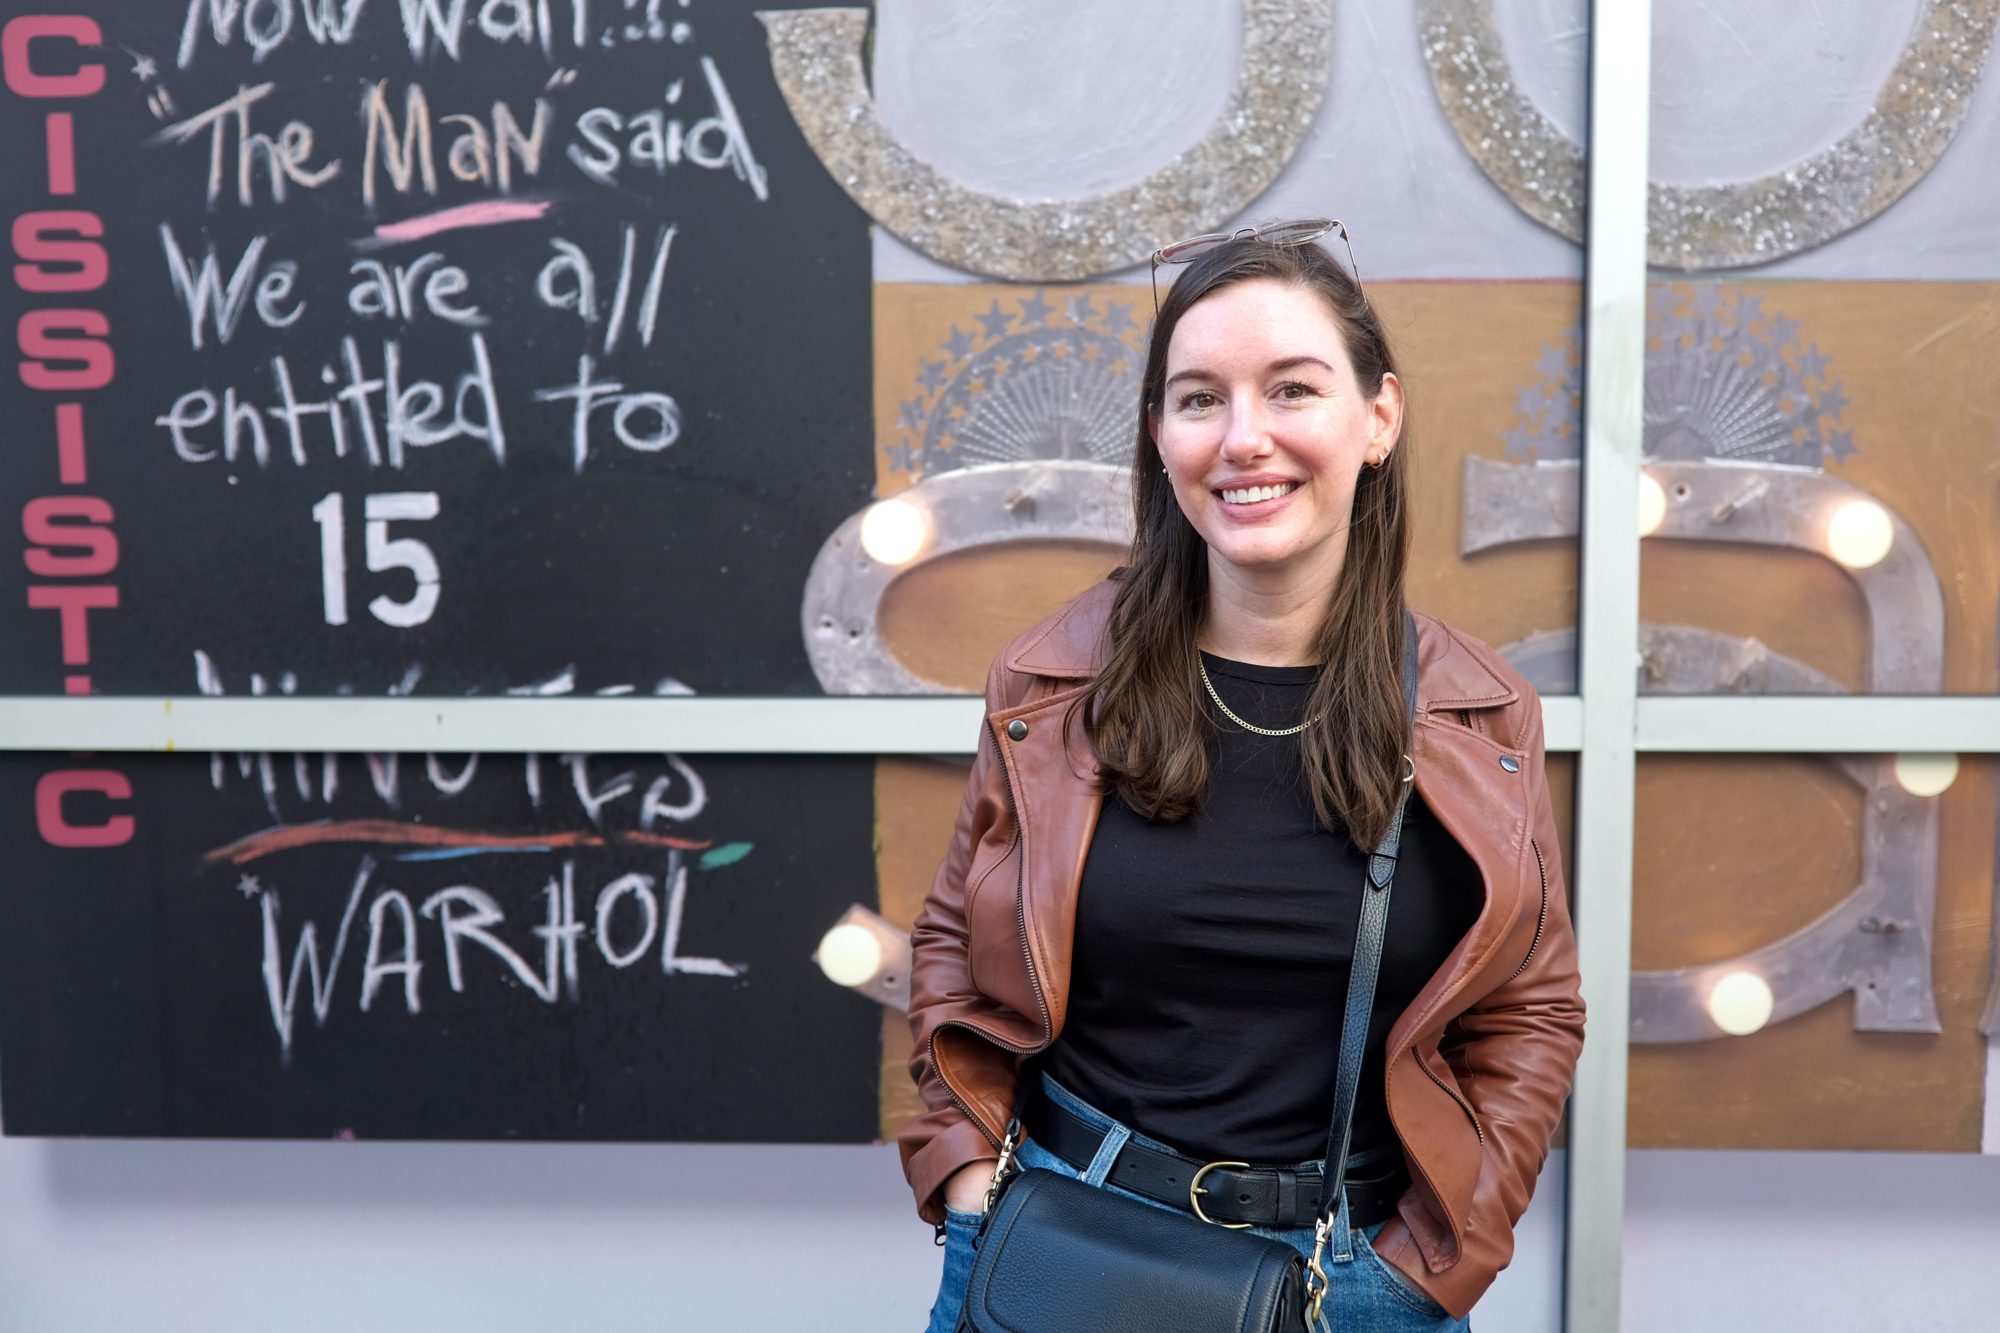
pixel 635 917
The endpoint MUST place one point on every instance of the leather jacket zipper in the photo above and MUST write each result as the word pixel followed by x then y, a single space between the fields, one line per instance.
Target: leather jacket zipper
pixel 1027 955
pixel 1541 921
pixel 1458 1097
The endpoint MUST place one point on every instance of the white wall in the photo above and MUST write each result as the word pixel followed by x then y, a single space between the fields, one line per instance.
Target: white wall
pixel 103 1237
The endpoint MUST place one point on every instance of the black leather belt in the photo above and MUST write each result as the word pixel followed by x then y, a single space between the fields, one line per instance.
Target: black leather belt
pixel 1227 1193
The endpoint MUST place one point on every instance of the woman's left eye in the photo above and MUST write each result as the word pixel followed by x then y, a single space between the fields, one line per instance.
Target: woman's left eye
pixel 1293 390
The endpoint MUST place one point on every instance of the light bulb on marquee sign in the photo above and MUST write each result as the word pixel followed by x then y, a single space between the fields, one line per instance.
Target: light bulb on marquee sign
pixel 894 532
pixel 1652 504
pixel 1859 534
pixel 1926 774
pixel 1740 1003
pixel 849 955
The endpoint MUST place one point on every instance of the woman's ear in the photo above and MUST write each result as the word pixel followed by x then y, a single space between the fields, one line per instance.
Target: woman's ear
pixel 1386 409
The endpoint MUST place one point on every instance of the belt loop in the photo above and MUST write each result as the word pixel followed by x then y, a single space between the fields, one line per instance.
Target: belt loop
pixel 1288 1199
pixel 1107 1153
pixel 1343 1234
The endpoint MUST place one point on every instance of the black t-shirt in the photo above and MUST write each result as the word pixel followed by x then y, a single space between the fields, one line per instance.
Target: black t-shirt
pixel 1212 953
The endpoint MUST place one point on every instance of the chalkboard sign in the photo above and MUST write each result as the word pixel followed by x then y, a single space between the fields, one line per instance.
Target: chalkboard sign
pixel 417 946
pixel 421 346
pixel 424 347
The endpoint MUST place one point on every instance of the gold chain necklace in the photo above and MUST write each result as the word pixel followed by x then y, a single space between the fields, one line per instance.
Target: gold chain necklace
pixel 1247 726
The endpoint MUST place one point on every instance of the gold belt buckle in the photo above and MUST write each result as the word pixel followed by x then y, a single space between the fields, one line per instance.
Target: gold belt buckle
pixel 1195 1191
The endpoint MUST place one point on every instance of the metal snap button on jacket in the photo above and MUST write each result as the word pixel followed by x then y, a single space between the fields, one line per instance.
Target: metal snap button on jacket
pixel 1510 763
pixel 1018 729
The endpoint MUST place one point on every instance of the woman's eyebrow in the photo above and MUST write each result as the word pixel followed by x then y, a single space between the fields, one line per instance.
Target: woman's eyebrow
pixel 1287 363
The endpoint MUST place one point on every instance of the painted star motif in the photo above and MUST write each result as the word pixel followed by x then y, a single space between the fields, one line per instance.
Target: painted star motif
pixel 1036 311
pixel 1832 401
pixel 1029 353
pixel 144 68
pixel 1812 364
pixel 1840 443
pixel 1554 362
pixel 1520 443
pixel 1707 298
pixel 1749 309
pixel 1531 400
pixel 1117 318
pixel 932 375
pixel 902 458
pixel 1784 329
pixel 250 886
pixel 1080 309
pixel 995 321
pixel 910 415
pixel 959 344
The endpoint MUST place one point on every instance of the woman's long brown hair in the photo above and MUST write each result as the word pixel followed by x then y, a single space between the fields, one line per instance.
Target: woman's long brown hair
pixel 1147 715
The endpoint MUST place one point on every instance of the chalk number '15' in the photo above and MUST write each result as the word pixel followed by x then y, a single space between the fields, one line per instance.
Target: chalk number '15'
pixel 384 553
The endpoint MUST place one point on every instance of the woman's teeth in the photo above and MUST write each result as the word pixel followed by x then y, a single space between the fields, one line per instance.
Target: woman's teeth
pixel 1246 495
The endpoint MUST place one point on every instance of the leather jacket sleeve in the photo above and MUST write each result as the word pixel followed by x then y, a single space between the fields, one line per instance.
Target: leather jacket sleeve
pixel 1514 1052
pixel 945 1138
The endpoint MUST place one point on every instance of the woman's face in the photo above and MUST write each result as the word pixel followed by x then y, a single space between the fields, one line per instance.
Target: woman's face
pixel 1263 429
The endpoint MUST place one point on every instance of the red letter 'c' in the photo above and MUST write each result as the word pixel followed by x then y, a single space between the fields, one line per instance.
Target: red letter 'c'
pixel 21 33
pixel 59 832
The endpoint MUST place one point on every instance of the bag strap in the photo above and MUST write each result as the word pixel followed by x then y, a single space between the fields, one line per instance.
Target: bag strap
pixel 1361 980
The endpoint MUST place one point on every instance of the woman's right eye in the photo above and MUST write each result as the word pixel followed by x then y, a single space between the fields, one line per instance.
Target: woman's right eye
pixel 1197 400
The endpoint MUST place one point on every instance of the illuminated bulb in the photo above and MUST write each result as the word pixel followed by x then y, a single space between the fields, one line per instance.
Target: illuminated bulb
pixel 850 955
pixel 1740 1003
pixel 893 532
pixel 1926 774
pixel 1652 505
pixel 1860 534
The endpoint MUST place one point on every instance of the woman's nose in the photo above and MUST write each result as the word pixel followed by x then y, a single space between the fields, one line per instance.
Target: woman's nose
pixel 1249 434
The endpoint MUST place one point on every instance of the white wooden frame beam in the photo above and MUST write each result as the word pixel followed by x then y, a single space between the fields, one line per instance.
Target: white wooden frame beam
pixel 1607 640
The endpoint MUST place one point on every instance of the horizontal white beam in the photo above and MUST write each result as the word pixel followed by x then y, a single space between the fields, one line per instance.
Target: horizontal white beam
pixel 549 726
pixel 1836 724
pixel 497 726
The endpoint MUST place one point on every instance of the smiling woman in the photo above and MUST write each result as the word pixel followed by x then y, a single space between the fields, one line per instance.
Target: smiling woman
pixel 1159 875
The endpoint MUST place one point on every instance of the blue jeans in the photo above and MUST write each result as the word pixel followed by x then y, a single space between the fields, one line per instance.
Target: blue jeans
pixel 1363 1291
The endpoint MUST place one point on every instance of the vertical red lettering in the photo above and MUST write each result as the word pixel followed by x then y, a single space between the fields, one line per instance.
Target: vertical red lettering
pixel 73 362
pixel 58 830
pixel 69 444
pixel 17 60
pixel 62 152
pixel 69 537
pixel 73 603
pixel 59 251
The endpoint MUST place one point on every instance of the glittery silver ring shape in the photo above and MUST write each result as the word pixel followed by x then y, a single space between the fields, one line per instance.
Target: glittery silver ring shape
pixel 1041 500
pixel 1281 79
pixel 1756 221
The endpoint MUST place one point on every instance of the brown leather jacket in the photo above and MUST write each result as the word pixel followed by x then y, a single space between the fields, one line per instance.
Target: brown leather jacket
pixel 1479 1064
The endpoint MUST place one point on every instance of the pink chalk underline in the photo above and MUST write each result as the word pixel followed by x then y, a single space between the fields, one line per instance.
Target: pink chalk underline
pixel 483 214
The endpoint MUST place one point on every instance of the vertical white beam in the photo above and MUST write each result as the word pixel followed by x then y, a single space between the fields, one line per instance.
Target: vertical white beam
pixel 1614 370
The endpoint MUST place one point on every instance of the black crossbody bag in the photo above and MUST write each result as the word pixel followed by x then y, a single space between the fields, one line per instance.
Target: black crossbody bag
pixel 1056 1255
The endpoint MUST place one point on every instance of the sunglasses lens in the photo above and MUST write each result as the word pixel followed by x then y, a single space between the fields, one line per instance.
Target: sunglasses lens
pixel 1296 233
pixel 1180 252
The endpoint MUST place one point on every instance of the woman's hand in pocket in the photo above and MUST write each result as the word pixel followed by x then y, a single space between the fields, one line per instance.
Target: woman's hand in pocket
pixel 965 1189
